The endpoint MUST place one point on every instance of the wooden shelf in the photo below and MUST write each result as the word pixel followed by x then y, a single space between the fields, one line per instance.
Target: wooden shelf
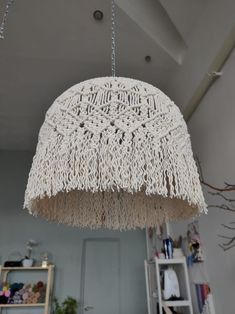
pixel 185 288
pixel 25 268
pixel 22 305
pixel 5 272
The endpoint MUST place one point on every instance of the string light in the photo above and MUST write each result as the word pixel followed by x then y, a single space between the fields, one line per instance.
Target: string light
pixel 113 40
pixel 4 19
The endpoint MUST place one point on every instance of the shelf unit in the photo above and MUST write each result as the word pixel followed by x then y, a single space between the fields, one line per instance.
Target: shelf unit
pixel 4 272
pixel 184 284
pixel 153 286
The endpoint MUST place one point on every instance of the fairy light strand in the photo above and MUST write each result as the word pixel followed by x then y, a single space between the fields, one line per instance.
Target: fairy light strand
pixel 4 19
pixel 113 40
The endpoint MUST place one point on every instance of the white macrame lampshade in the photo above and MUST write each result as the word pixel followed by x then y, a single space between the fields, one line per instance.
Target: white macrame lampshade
pixel 114 153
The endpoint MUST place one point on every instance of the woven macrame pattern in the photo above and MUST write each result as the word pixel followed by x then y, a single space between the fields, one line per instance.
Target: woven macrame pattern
pixel 114 153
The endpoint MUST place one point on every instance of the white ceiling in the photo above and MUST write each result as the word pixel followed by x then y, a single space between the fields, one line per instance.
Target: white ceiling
pixel 51 45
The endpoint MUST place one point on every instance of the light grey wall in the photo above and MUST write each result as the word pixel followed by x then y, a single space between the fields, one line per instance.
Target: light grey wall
pixel 214 25
pixel 65 243
pixel 212 128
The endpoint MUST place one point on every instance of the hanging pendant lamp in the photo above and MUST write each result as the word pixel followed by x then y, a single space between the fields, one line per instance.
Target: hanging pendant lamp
pixel 115 153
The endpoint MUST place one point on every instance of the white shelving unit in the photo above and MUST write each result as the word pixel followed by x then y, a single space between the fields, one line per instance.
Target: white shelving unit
pixel 4 271
pixel 182 271
pixel 153 285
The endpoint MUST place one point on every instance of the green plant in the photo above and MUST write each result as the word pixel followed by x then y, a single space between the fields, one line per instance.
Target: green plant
pixel 68 306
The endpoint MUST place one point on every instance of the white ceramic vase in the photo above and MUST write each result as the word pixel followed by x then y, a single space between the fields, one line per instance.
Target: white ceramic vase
pixel 27 262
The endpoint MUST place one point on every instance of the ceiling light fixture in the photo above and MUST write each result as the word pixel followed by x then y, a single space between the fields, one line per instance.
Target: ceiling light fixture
pixel 98 15
pixel 148 59
pixel 114 152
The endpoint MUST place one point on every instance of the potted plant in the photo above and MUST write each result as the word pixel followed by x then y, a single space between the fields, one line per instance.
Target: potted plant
pixel 68 306
pixel 28 261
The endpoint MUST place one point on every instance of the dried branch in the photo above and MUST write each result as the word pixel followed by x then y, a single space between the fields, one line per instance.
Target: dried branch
pixel 228 227
pixel 229 185
pixel 230 200
pixel 223 206
pixel 230 206
pixel 226 248
pixel 231 240
pixel 227 188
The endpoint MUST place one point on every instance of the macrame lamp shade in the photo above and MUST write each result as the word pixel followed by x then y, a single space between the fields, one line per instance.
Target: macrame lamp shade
pixel 114 153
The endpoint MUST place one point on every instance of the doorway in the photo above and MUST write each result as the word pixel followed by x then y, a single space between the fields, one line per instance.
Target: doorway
pixel 100 278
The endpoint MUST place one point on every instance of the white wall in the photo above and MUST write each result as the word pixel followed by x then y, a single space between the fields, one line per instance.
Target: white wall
pixel 65 243
pixel 212 128
pixel 214 25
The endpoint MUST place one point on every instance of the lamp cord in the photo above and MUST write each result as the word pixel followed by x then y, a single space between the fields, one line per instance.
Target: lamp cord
pixel 4 19
pixel 113 39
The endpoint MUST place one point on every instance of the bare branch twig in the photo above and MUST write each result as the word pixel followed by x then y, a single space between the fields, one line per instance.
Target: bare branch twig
pixel 227 188
pixel 223 206
pixel 231 240
pixel 226 248
pixel 228 227
pixel 216 191
pixel 228 185
pixel 230 200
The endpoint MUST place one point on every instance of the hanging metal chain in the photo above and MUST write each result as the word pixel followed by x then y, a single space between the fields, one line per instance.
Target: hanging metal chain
pixel 4 19
pixel 113 39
